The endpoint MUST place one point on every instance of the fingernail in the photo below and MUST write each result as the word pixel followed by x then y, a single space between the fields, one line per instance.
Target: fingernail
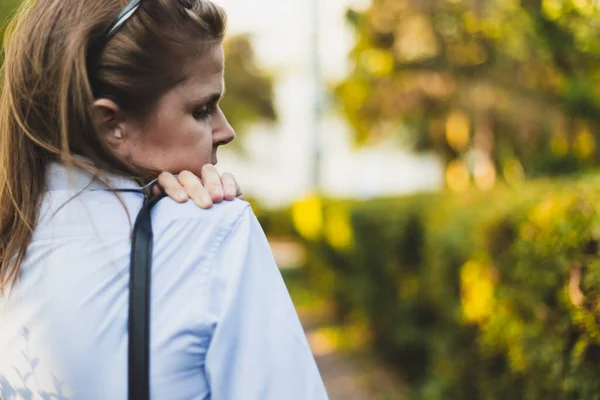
pixel 219 192
pixel 206 199
pixel 182 195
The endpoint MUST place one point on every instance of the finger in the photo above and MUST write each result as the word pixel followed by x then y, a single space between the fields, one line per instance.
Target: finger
pixel 212 182
pixel 156 190
pixel 194 187
pixel 171 187
pixel 230 186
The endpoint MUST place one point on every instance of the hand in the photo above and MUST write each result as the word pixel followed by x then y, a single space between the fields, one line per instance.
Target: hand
pixel 205 191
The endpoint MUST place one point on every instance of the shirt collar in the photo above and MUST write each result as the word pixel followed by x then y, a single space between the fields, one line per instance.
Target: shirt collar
pixel 59 177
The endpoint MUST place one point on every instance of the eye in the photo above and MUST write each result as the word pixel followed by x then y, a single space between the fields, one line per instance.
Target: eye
pixel 207 109
pixel 203 112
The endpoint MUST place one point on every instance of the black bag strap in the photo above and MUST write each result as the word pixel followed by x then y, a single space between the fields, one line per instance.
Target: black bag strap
pixel 139 303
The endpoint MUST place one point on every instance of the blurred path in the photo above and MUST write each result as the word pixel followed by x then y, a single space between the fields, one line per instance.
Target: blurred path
pixel 349 376
pixel 349 372
pixel 340 377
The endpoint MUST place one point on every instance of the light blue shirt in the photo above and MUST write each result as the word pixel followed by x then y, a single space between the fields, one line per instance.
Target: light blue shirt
pixel 223 324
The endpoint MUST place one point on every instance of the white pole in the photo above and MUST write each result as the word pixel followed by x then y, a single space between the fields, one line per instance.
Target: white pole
pixel 317 98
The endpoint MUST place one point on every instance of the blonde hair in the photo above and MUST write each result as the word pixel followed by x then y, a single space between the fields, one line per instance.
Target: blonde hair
pixel 46 99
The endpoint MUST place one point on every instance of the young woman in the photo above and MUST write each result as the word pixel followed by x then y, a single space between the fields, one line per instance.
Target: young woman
pixel 104 95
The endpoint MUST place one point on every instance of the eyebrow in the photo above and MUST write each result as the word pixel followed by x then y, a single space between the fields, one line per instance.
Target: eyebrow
pixel 212 98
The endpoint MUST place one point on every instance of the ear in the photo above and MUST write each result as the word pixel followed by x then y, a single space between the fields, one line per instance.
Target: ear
pixel 108 120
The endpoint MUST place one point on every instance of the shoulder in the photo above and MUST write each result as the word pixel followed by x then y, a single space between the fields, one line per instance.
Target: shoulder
pixel 170 217
pixel 169 211
pixel 188 240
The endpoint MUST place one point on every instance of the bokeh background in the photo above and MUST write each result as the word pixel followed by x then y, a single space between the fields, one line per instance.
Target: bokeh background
pixel 427 173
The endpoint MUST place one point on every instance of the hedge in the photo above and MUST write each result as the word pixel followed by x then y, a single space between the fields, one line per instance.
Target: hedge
pixel 480 295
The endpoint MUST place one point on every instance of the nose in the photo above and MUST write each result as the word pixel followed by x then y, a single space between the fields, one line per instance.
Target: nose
pixel 223 133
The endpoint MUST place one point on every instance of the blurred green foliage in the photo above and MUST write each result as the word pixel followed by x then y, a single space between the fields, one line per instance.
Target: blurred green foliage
pixel 250 97
pixel 473 296
pixel 7 9
pixel 509 79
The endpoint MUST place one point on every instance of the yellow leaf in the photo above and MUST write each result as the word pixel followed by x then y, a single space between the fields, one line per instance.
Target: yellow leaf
pixel 308 217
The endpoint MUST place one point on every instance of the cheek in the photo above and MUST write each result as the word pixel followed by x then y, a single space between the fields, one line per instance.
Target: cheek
pixel 181 133
pixel 174 144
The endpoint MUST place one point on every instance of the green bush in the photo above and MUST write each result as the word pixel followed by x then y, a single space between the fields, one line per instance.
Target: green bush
pixel 487 296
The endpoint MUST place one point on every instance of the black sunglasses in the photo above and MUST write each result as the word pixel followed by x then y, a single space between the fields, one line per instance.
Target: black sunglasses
pixel 100 42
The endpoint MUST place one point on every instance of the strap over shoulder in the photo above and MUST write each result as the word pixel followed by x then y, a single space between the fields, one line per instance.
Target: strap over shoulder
pixel 139 303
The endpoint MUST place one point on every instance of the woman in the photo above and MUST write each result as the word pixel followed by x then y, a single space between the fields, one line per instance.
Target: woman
pixel 89 104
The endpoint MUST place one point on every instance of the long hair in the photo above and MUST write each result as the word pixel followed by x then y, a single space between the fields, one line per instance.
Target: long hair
pixel 46 99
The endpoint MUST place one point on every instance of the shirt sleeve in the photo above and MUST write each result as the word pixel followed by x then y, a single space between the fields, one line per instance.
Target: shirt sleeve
pixel 258 350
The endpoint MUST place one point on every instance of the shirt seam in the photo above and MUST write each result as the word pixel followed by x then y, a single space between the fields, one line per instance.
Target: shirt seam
pixel 187 218
pixel 224 232
pixel 208 264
